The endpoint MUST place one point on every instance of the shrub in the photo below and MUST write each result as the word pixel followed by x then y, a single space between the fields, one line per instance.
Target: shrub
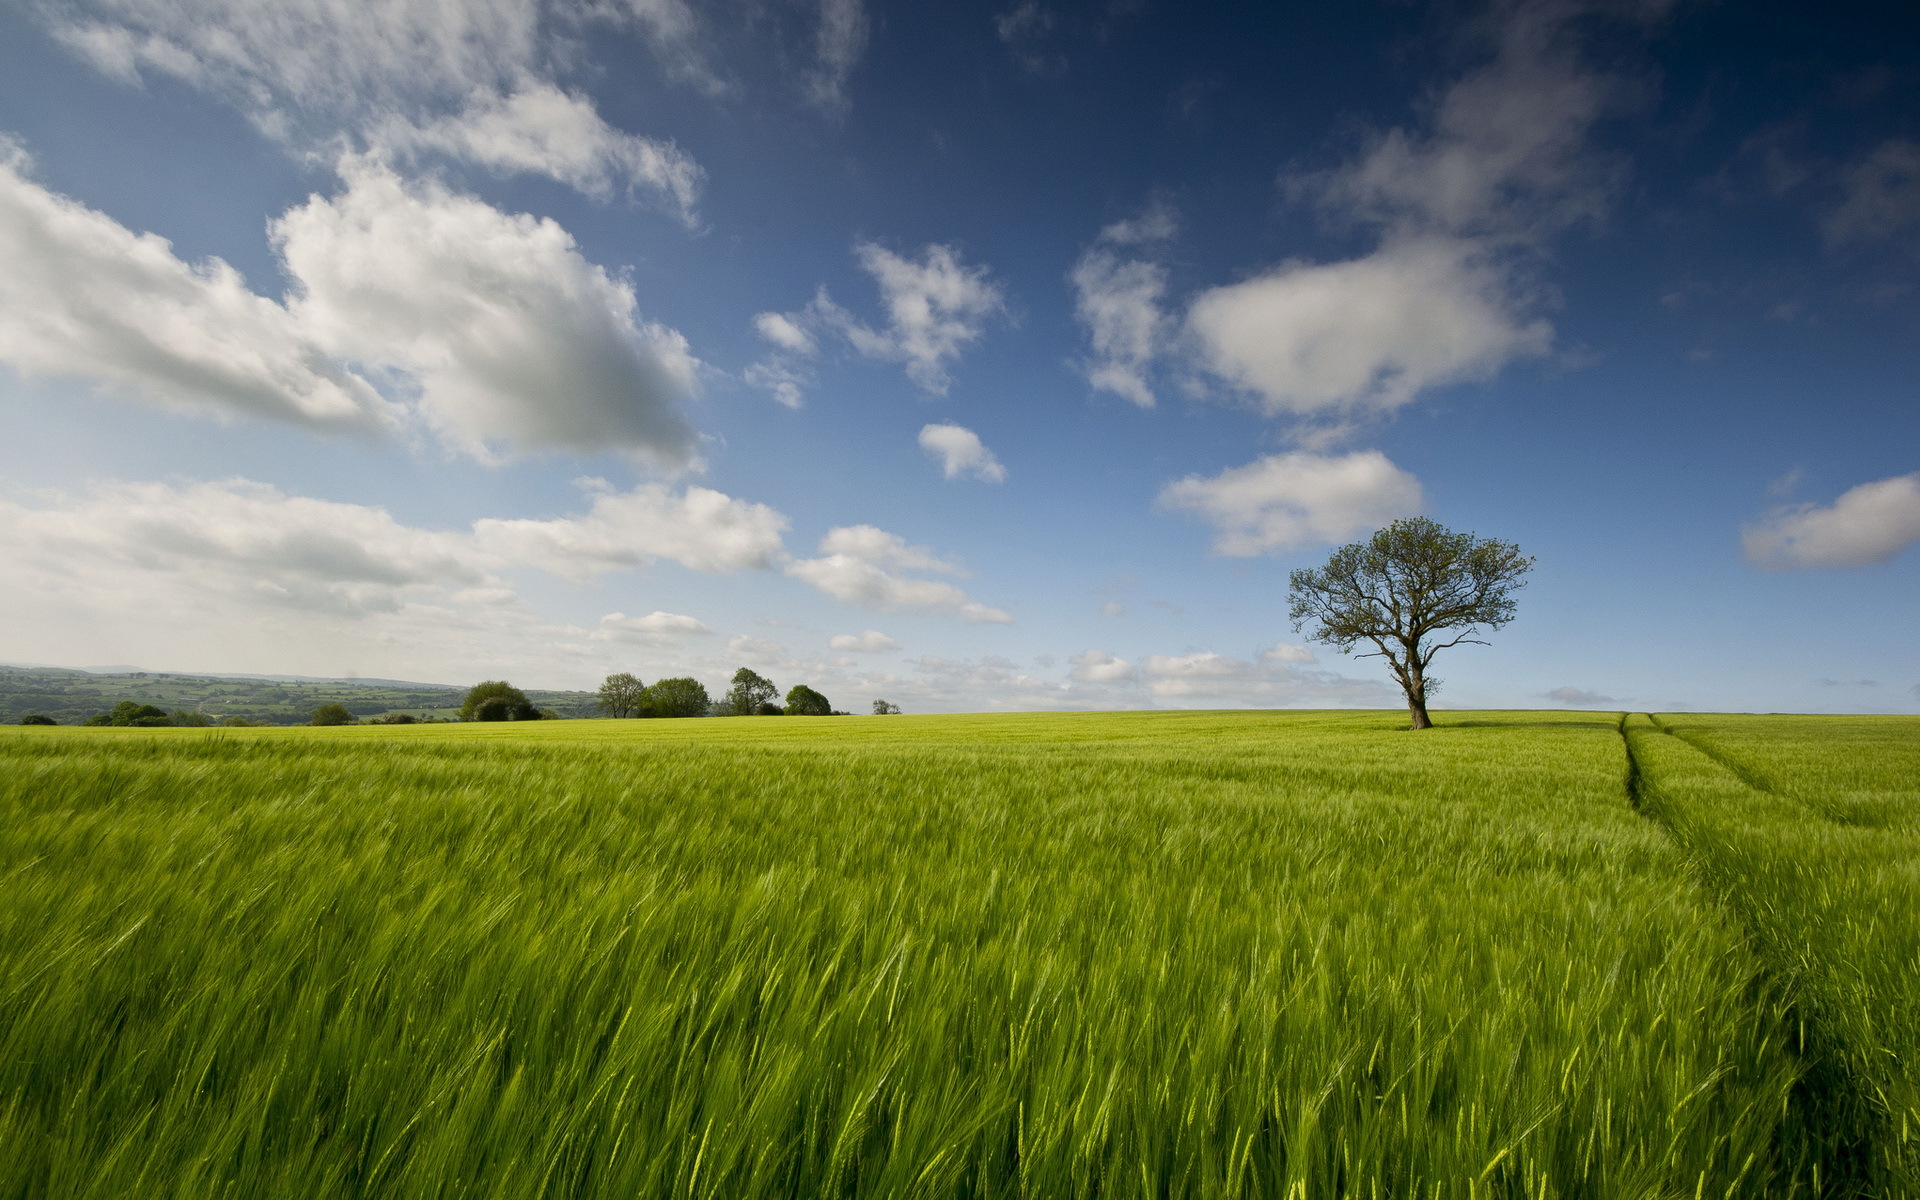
pixel 38 719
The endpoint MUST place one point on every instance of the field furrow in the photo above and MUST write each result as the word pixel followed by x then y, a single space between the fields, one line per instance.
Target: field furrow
pixel 1828 902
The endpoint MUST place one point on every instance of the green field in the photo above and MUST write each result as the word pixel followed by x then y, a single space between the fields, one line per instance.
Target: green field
pixel 1115 955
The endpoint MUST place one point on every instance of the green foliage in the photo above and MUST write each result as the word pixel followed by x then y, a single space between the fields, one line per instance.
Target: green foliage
pixel 332 714
pixel 803 701
pixel 497 700
pixel 37 719
pixel 1162 954
pixel 623 695
pixel 130 713
pixel 678 697
pixel 190 720
pixel 750 695
pixel 1402 591
pixel 885 708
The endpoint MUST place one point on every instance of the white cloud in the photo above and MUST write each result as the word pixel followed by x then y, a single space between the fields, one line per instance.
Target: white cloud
pixel 838 44
pixel 1113 608
pixel 1209 678
pixel 1098 666
pixel 1882 198
pixel 1369 333
pixel 757 651
pixel 1574 697
pixel 1289 501
pixel 240 541
pixel 961 453
pixel 655 629
pixel 1157 223
pixel 1288 652
pixel 1507 154
pixel 871 641
pixel 878 546
pixel 852 569
pixel 468 80
pixel 1119 301
pixel 82 295
pixel 542 130
pixel 1462 208
pixel 936 307
pixel 697 528
pixel 785 332
pixel 492 327
pixel 516 341
pixel 1869 524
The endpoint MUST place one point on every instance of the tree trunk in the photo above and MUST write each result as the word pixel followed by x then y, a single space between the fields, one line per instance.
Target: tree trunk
pixel 1417 690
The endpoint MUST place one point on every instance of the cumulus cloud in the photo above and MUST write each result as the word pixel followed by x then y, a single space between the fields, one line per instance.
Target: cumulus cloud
pixel 1574 697
pixel 852 569
pixel 542 130
pixel 492 327
pixel 655 629
pixel 758 651
pixel 516 342
pixel 466 80
pixel 961 453
pixel 870 641
pixel 697 528
pixel 1098 666
pixel 83 296
pixel 1462 207
pixel 245 541
pixel 877 545
pixel 1289 501
pixel 1869 524
pixel 936 307
pixel 1369 333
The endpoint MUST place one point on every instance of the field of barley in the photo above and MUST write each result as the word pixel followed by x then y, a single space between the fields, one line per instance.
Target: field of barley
pixel 1235 954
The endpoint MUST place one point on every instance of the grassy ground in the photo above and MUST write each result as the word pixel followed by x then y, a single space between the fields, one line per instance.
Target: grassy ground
pixel 1809 828
pixel 1164 954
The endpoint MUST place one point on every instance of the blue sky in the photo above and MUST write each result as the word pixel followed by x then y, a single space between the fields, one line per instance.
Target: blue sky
pixel 973 356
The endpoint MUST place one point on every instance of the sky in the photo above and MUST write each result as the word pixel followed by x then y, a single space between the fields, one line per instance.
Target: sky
pixel 971 356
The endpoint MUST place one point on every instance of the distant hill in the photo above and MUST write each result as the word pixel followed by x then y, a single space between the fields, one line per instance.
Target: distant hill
pixel 70 696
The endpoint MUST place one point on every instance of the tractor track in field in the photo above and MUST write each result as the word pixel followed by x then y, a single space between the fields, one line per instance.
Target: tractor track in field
pixel 1829 1101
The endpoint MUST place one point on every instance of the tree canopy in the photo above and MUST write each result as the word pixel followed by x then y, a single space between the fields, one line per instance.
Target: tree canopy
pixel 332 714
pixel 803 701
pixel 623 695
pixel 750 694
pixel 678 697
pixel 1403 590
pixel 497 700
pixel 885 708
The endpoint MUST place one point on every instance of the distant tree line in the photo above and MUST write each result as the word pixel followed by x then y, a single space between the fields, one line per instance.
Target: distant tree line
pixel 750 694
pixel 622 695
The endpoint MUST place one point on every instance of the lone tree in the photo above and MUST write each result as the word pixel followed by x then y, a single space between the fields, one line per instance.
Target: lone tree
pixel 751 694
pixel 1404 589
pixel 622 696
pixel 333 714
